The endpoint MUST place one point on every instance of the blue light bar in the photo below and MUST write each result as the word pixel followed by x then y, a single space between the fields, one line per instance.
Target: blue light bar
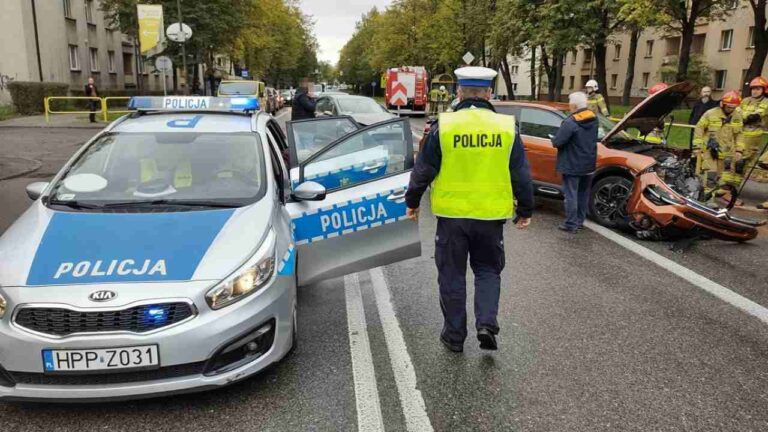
pixel 193 103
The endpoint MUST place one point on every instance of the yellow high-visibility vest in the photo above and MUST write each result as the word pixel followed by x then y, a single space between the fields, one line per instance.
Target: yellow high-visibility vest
pixel 474 180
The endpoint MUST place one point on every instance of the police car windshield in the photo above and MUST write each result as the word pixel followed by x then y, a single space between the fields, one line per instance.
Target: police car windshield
pixel 167 168
pixel 359 105
pixel 238 88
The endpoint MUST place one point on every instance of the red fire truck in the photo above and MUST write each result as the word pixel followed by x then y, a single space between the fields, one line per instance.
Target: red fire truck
pixel 415 80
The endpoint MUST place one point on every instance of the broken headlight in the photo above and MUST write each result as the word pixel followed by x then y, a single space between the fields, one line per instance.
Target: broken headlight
pixel 661 197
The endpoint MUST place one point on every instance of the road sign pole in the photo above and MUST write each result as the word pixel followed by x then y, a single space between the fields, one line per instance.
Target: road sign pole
pixel 165 92
pixel 183 49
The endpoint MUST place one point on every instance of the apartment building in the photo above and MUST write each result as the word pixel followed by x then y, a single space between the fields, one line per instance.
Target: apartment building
pixel 520 72
pixel 725 46
pixel 67 41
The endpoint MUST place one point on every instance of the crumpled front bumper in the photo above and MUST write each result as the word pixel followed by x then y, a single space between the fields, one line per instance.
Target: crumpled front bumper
pixel 681 213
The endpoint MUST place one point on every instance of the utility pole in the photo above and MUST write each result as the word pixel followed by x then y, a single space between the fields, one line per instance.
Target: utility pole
pixel 183 50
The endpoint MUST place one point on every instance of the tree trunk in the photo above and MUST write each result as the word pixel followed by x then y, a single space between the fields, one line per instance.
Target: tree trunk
pixel 633 42
pixel 761 45
pixel 602 82
pixel 533 73
pixel 685 48
pixel 505 73
pixel 559 59
pixel 549 69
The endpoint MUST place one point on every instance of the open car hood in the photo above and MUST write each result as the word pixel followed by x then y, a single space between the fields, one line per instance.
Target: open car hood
pixel 648 113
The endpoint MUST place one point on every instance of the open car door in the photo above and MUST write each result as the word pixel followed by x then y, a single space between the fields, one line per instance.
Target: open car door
pixel 307 137
pixel 357 221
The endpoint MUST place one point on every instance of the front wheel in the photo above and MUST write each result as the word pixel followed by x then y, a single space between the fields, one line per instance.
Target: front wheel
pixel 608 205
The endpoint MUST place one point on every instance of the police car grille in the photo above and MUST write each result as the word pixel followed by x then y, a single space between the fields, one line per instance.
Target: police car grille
pixel 138 319
pixel 108 378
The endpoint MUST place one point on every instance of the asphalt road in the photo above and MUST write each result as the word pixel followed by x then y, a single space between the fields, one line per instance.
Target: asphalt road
pixel 594 338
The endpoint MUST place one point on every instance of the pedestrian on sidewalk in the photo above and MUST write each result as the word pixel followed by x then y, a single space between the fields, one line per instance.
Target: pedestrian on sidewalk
pixel 475 161
pixel 576 143
pixel 94 106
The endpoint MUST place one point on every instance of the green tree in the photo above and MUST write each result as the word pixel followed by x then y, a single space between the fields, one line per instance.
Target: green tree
pixel 635 20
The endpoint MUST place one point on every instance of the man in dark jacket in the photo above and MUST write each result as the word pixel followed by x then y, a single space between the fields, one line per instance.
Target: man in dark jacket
pixel 93 104
pixel 576 143
pixel 303 102
pixel 704 104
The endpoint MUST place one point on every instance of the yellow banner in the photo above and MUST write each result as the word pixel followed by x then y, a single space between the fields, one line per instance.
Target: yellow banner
pixel 150 26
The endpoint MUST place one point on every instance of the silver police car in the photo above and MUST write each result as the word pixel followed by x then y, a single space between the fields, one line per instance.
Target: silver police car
pixel 164 257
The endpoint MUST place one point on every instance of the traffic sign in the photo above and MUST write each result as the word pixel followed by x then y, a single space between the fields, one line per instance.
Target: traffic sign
pixel 244 73
pixel 399 95
pixel 468 58
pixel 164 64
pixel 179 32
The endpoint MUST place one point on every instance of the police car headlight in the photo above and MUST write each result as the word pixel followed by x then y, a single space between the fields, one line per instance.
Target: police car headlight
pixel 3 306
pixel 249 279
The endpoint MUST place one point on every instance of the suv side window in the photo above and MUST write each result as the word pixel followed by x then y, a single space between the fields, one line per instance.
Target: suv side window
pixel 324 105
pixel 538 123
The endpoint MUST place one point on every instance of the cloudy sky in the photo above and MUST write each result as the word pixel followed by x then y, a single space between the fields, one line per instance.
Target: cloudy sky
pixel 335 21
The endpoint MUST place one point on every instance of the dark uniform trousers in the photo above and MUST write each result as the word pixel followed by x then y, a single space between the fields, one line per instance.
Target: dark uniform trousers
pixel 483 242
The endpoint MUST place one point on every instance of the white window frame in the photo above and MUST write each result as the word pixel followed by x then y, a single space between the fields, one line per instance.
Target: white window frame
pixel 93 59
pixel 515 69
pixel 617 52
pixel 614 80
pixel 74 58
pixel 726 40
pixel 649 48
pixel 646 77
pixel 111 61
pixel 751 37
pixel 718 84
pixel 67 4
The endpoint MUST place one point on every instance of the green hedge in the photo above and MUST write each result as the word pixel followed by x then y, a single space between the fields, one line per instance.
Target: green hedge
pixel 28 95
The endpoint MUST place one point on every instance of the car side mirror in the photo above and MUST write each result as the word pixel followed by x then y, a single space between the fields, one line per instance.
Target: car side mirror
pixel 34 190
pixel 309 191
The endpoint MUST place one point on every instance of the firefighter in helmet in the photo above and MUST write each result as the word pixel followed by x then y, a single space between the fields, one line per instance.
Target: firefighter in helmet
pixel 656 136
pixel 434 101
pixel 595 100
pixel 755 112
pixel 714 140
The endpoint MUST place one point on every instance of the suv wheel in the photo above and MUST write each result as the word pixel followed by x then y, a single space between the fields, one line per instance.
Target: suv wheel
pixel 608 205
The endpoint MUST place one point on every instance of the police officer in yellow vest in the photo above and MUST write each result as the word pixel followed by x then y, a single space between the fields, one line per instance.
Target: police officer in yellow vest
pixel 476 164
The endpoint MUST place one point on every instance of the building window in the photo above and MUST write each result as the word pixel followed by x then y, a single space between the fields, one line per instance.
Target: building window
pixel 648 48
pixel 673 46
pixel 571 80
pixel 646 77
pixel 88 11
pixel 720 77
pixel 587 56
pixel 751 37
pixel 617 52
pixel 74 64
pixel 732 4
pixel 128 64
pixel 111 61
pixel 726 40
pixel 515 70
pixel 67 8
pixel 573 57
pixel 614 80
pixel 94 59
pixel 219 62
pixel 697 45
pixel 514 87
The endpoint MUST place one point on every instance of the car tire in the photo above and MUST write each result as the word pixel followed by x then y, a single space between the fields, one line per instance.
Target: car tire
pixel 608 202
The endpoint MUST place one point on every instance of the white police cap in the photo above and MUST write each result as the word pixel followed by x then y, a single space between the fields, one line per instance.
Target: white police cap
pixel 475 76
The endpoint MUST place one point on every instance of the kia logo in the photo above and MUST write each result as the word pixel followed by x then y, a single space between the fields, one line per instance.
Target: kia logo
pixel 102 296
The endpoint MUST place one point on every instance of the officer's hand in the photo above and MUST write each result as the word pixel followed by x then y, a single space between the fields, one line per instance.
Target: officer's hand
pixel 412 214
pixel 523 223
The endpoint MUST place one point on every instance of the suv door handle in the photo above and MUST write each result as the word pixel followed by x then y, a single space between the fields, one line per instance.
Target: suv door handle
pixel 374 167
pixel 397 196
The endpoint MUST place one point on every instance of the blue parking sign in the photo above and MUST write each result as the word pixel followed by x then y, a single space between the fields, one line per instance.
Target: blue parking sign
pixel 244 73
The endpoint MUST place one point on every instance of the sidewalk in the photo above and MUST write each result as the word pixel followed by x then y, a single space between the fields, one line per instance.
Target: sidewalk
pixel 72 121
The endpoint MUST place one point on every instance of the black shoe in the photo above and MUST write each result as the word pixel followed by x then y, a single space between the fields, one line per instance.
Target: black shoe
pixel 454 347
pixel 763 206
pixel 563 227
pixel 487 340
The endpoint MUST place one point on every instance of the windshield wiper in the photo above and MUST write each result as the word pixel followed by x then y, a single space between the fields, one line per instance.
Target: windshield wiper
pixel 80 205
pixel 182 203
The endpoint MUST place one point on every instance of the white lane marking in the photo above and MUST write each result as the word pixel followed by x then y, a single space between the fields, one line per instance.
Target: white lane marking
pixel 366 391
pixel 717 290
pixel 414 409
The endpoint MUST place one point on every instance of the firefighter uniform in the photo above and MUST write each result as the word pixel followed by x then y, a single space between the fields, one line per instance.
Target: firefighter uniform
pixel 444 99
pixel 434 101
pixel 755 113
pixel 596 103
pixel 715 140
pixel 475 162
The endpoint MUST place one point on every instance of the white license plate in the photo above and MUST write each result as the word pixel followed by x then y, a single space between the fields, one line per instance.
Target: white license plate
pixel 137 357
